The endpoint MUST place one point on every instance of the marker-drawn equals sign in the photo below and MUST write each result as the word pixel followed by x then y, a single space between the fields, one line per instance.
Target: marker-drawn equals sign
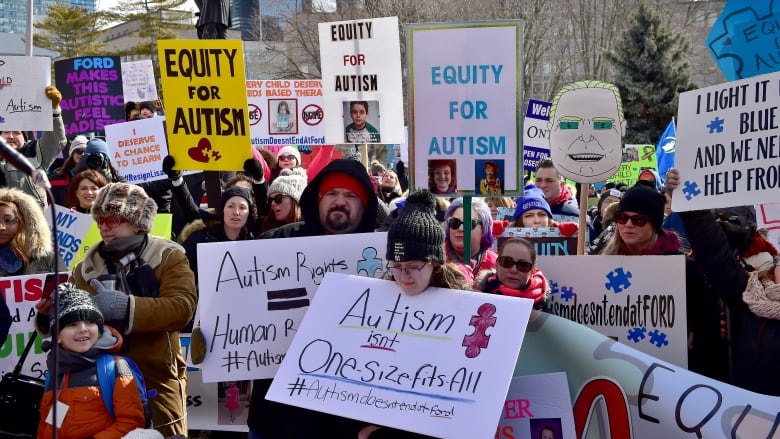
pixel 279 300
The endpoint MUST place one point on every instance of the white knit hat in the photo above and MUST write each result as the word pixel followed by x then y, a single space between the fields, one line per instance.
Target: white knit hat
pixel 290 149
pixel 78 142
pixel 290 182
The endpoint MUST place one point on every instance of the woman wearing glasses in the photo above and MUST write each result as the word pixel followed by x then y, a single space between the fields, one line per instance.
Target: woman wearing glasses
pixel 25 239
pixel 481 257
pixel 284 194
pixel 516 274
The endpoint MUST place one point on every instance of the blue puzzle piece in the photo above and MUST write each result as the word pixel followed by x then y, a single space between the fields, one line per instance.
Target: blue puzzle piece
pixel 554 287
pixel 618 280
pixel 716 125
pixel 370 264
pixel 691 189
pixel 658 338
pixel 636 334
pixel 567 293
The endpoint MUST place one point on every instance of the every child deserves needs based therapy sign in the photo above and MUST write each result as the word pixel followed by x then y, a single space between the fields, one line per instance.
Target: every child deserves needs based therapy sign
pixel 438 363
pixel 205 89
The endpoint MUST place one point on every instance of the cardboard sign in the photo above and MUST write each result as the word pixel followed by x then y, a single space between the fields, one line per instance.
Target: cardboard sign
pixel 536 134
pixel 252 297
pixel 138 148
pixel 160 227
pixel 361 81
pixel 23 104
pixel 72 227
pixel 636 158
pixel 138 82
pixel 205 103
pixel 639 301
pixel 537 406
pixel 92 96
pixel 437 363
pixel 286 112
pixel 464 107
pixel 729 147
pixel 547 241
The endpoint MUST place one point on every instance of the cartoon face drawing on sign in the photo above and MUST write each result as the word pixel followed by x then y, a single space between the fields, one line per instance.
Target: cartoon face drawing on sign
pixel 586 131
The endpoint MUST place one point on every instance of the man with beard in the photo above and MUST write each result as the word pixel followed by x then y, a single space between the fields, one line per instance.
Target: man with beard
pixel 339 200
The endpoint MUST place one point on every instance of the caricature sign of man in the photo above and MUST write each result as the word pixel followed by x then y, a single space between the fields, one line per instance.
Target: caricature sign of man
pixel 586 131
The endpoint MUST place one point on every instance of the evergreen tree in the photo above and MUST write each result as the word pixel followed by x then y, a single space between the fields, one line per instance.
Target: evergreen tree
pixel 70 31
pixel 158 19
pixel 650 72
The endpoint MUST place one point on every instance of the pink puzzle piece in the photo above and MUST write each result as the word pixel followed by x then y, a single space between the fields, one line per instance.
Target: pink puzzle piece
pixel 478 340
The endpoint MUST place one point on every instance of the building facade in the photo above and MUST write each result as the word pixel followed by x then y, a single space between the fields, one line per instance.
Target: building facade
pixel 13 13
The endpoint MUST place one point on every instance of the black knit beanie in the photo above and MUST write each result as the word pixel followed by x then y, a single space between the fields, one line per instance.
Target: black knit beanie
pixel 416 234
pixel 76 305
pixel 646 201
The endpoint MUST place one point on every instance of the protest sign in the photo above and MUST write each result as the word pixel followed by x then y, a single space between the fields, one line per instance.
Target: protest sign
pixel 138 82
pixel 137 149
pixel 729 145
pixel 547 241
pixel 160 227
pixel 205 103
pixel 91 88
pixel 437 363
pixel 286 112
pixel 72 227
pixel 252 298
pixel 636 158
pixel 361 81
pixel 464 107
pixel 536 134
pixel 23 104
pixel 620 392
pixel 637 301
pixel 537 406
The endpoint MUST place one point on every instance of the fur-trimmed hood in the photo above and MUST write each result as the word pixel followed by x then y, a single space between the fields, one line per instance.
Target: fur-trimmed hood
pixel 38 242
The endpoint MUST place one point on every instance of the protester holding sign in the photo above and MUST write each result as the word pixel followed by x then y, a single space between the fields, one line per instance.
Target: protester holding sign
pixel 481 257
pixel 83 190
pixel 60 178
pixel 26 244
pixel 533 211
pixel 516 274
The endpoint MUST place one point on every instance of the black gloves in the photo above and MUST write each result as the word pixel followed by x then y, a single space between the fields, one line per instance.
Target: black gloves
pixel 167 167
pixel 254 169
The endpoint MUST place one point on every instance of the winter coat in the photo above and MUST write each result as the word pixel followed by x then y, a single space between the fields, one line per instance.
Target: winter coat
pixel 152 334
pixel 757 339
pixel 38 244
pixel 87 414
pixel 485 261
pixel 198 233
pixel 41 153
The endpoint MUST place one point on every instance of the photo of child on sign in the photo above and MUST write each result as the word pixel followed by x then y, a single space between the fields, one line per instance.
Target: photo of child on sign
pixel 284 116
pixel 362 118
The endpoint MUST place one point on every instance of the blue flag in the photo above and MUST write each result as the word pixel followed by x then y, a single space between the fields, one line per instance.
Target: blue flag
pixel 664 152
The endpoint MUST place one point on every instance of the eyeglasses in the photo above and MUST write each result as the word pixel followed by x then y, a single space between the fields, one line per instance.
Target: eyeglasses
pixel 521 265
pixel 9 221
pixel 409 271
pixel 278 198
pixel 455 223
pixel 637 220
pixel 111 222
pixel 78 152
pixel 286 157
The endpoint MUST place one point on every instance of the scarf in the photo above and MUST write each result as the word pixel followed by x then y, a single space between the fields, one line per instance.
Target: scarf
pixel 536 288
pixel 563 197
pixel 759 245
pixel 762 297
pixel 668 243
pixel 10 264
pixel 118 247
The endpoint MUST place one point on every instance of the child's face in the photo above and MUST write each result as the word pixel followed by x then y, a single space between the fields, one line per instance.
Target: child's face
pixel 79 336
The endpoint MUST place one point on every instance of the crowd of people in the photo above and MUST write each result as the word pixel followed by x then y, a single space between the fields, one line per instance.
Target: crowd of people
pixel 135 292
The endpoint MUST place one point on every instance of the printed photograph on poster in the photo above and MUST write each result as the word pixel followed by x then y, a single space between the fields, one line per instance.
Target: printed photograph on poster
pixel 233 397
pixel 284 116
pixel 546 428
pixel 490 177
pixel 361 119
pixel 442 177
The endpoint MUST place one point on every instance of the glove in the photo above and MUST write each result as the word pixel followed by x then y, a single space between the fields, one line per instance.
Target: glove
pixel 55 96
pixel 167 166
pixel 197 346
pixel 568 228
pixel 112 303
pixel 254 169
pixel 499 227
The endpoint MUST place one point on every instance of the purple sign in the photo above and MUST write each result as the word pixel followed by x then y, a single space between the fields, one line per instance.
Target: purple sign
pixel 92 94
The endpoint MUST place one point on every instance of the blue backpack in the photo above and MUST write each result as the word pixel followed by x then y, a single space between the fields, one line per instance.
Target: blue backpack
pixel 106 376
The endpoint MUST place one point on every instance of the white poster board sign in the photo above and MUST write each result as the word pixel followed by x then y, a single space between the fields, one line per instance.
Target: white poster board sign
pixel 536 134
pixel 23 103
pixel 72 227
pixel 253 295
pixel 638 301
pixel 286 112
pixel 361 81
pixel 537 406
pixel 138 148
pixel 438 363
pixel 728 145
pixel 138 83
pixel 464 104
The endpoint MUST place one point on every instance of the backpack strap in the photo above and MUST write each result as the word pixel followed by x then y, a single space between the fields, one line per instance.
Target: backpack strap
pixel 106 375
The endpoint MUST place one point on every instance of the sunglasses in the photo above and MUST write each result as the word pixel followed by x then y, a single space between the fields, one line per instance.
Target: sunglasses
pixel 111 222
pixel 278 198
pixel 521 265
pixel 455 223
pixel 286 157
pixel 637 220
pixel 78 152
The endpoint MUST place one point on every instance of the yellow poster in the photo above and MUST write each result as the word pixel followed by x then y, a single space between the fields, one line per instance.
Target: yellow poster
pixel 163 222
pixel 206 114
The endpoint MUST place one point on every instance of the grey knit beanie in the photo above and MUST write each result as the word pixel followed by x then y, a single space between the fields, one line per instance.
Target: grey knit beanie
pixel 416 234
pixel 290 182
pixel 76 305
